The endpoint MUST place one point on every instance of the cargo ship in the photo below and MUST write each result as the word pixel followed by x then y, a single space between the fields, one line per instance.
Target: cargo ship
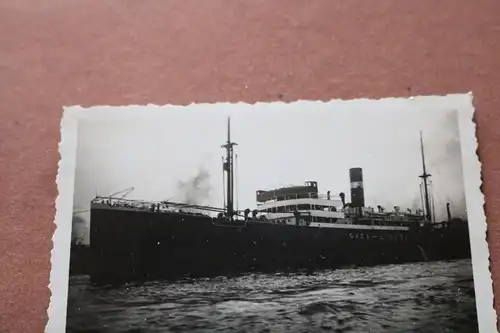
pixel 292 228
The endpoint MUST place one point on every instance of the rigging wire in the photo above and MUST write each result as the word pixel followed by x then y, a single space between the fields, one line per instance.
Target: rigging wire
pixel 81 211
pixel 432 203
pixel 422 198
pixel 236 176
pixel 127 191
pixel 223 185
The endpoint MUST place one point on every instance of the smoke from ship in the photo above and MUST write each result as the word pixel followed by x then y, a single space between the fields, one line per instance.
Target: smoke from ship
pixel 416 204
pixel 79 229
pixel 196 190
pixel 445 165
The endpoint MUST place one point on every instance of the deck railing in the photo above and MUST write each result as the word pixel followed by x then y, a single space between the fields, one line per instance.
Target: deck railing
pixel 311 195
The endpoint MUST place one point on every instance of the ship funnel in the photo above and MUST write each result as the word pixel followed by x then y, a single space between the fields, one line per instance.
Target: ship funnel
pixel 448 211
pixel 357 191
pixel 342 197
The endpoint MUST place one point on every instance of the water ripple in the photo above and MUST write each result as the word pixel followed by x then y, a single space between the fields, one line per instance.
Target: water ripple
pixel 427 297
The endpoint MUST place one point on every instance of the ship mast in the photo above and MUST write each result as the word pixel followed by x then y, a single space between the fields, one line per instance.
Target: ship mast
pixel 228 167
pixel 424 177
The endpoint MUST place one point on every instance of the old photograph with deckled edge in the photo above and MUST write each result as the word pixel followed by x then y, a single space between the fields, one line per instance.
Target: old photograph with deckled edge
pixel 353 216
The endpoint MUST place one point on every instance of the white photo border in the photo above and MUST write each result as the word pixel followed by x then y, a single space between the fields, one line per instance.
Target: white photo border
pixel 60 255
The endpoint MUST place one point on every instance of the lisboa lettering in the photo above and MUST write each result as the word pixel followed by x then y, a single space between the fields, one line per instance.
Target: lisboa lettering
pixel 390 237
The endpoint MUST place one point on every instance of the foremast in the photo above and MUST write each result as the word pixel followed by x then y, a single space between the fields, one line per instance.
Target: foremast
pixel 425 176
pixel 228 168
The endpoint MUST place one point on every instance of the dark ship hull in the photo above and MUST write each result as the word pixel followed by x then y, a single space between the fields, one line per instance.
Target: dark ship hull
pixel 140 245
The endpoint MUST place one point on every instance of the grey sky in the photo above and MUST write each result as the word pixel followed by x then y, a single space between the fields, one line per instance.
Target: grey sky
pixel 154 148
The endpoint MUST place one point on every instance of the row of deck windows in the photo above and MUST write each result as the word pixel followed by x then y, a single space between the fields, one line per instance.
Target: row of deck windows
pixel 293 208
pixel 322 219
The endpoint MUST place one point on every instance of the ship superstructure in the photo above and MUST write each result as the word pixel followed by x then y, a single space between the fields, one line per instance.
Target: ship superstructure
pixel 284 205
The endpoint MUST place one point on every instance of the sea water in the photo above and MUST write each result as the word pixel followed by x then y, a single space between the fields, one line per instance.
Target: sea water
pixel 422 297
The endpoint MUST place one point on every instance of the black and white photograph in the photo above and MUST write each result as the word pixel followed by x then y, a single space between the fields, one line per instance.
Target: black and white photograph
pixel 358 215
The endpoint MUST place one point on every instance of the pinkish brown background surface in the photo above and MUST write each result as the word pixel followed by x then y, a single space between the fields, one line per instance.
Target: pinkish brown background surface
pixel 66 52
